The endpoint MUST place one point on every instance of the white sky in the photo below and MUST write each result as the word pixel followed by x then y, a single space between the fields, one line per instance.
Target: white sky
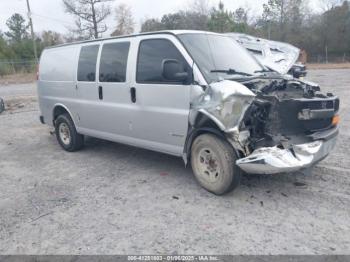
pixel 50 15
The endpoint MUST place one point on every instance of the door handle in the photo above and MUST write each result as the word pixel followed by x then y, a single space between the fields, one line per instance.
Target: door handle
pixel 133 94
pixel 100 92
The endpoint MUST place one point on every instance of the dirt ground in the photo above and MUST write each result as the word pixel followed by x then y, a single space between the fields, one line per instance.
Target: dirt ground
pixel 115 199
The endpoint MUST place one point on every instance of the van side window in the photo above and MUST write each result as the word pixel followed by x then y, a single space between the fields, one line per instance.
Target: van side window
pixel 114 58
pixel 152 53
pixel 87 63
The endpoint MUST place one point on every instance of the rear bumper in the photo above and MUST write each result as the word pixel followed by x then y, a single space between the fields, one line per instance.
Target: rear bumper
pixel 273 160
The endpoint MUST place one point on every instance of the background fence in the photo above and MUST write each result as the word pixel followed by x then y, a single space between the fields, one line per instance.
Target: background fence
pixel 14 66
pixel 17 66
pixel 331 57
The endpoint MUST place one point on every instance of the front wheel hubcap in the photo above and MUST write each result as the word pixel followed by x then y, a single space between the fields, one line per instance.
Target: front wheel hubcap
pixel 64 133
pixel 209 165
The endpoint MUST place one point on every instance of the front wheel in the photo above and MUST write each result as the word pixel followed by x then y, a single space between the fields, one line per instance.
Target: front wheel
pixel 213 163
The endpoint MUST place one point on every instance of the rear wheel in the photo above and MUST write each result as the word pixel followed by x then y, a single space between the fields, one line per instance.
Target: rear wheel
pixel 67 135
pixel 213 163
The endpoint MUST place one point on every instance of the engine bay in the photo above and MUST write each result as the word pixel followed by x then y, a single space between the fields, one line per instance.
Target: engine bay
pixel 286 111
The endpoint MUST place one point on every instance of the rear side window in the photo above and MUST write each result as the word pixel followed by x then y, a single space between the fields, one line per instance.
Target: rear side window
pixel 87 63
pixel 59 64
pixel 151 55
pixel 114 58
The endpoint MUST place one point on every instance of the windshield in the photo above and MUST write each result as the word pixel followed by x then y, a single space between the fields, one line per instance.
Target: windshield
pixel 220 57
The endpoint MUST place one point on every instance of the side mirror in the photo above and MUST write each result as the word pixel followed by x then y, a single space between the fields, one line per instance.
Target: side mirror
pixel 173 70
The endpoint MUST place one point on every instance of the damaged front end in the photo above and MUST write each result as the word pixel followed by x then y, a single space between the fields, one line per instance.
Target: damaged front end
pixel 276 124
pixel 225 103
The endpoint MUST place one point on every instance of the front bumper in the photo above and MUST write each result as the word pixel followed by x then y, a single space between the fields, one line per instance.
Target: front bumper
pixel 273 160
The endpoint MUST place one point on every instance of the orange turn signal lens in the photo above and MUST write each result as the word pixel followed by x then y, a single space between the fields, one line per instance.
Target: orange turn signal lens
pixel 335 120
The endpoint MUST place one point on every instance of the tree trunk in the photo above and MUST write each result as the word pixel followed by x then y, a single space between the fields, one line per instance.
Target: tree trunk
pixel 282 21
pixel 94 19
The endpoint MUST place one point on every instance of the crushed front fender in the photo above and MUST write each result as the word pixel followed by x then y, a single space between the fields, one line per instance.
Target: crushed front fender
pixel 225 103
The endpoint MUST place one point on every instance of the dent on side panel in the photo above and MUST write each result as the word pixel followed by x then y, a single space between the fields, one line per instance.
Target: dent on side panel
pixel 224 102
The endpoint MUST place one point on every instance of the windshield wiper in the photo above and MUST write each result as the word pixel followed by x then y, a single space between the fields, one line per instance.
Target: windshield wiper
pixel 265 70
pixel 230 72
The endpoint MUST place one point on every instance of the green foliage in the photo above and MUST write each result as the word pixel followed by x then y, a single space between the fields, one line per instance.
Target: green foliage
pixel 17 28
pixel 221 20
pixel 5 50
pixel 184 20
pixel 218 20
pixel 291 21
pixel 334 28
pixel 274 10
pixel 179 20
pixel 50 38
pixel 283 20
pixel 151 25
pixel 16 47
pixel 240 17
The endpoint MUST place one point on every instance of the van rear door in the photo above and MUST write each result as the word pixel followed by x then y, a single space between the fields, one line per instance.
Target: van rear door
pixel 105 100
pixel 86 87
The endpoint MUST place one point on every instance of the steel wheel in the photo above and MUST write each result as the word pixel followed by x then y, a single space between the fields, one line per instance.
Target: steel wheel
pixel 213 163
pixel 64 133
pixel 208 165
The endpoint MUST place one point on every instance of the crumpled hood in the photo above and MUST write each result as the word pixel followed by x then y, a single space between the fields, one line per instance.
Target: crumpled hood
pixel 278 61
pixel 275 55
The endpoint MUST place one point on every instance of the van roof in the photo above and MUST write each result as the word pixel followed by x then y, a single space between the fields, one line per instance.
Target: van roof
pixel 171 32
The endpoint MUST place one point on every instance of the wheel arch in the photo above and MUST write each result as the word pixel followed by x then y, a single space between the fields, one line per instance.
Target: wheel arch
pixel 202 125
pixel 60 109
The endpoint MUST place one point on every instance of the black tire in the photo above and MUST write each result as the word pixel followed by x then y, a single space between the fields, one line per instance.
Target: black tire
pixel 219 174
pixel 75 141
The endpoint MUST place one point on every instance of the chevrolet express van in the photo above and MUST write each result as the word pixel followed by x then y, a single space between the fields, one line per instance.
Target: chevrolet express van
pixel 196 95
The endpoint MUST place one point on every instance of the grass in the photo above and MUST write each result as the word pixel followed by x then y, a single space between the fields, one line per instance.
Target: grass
pixel 20 78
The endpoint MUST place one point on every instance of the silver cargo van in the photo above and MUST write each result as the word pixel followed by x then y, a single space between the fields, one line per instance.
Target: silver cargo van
pixel 196 95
